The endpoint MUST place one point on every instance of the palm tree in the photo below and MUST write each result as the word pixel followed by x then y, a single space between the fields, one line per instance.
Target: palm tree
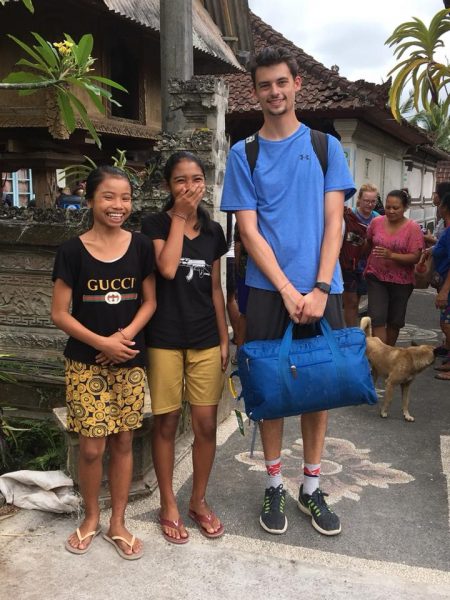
pixel 435 121
pixel 429 77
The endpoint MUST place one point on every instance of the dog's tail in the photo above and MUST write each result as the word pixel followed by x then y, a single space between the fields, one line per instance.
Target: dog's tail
pixel 366 326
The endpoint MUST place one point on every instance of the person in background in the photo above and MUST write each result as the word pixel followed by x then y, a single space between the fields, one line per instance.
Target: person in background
pixel 351 257
pixel 441 260
pixel 63 194
pixel 231 304
pixel 242 289
pixel 395 244
pixel 379 206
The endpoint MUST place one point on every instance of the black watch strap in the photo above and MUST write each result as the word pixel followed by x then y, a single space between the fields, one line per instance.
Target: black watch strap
pixel 324 287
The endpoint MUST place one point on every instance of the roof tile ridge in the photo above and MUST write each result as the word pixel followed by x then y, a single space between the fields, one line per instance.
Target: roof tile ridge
pixel 318 69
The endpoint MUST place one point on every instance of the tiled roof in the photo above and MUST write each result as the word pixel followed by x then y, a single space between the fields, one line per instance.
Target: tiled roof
pixel 322 88
pixel 206 35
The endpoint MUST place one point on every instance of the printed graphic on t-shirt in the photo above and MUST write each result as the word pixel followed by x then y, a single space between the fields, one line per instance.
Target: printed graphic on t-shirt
pixel 115 290
pixel 195 266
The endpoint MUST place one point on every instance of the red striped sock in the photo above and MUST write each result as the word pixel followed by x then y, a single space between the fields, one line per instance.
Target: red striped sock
pixel 273 468
pixel 311 478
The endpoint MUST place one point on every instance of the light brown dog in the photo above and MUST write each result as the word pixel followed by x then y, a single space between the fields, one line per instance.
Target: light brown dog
pixel 398 365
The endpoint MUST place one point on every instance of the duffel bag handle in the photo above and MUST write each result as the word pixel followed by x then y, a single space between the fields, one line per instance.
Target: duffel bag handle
pixel 287 370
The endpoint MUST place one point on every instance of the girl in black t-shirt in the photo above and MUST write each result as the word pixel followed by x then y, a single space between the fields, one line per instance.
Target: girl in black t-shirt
pixel 187 339
pixel 106 274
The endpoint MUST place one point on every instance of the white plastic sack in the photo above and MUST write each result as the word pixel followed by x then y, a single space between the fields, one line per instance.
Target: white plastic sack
pixel 51 491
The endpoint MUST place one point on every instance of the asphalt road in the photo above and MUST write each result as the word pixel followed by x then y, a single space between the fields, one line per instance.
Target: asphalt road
pixel 387 479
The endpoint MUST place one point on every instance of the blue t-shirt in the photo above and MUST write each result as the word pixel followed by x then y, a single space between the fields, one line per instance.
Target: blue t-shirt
pixel 287 191
pixel 441 253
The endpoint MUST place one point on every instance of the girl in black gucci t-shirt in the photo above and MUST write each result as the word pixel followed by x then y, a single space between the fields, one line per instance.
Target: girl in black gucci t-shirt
pixel 187 339
pixel 106 274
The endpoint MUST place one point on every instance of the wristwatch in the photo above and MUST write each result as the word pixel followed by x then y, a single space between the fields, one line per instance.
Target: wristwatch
pixel 323 287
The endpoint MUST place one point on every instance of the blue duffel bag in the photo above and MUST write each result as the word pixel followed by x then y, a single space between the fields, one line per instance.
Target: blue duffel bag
pixel 282 378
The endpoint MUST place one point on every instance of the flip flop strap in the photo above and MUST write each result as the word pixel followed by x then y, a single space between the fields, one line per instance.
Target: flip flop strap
pixel 81 538
pixel 122 539
pixel 174 524
pixel 205 518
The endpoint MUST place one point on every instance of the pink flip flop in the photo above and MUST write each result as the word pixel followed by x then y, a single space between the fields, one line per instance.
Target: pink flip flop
pixel 174 525
pixel 207 520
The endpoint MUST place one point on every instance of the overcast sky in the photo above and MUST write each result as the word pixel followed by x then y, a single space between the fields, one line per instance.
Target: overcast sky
pixel 349 33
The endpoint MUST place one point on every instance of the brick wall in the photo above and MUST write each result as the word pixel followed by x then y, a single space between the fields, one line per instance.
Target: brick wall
pixel 443 171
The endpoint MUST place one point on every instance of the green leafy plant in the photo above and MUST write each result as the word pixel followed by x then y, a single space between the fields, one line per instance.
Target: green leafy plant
pixel 27 3
pixel 8 441
pixel 435 121
pixel 61 65
pixel 429 77
pixel 119 160
pixel 30 444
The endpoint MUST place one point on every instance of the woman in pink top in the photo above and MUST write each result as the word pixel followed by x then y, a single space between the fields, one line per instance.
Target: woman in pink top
pixel 395 245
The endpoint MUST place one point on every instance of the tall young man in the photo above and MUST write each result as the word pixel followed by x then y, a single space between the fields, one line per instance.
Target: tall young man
pixel 290 220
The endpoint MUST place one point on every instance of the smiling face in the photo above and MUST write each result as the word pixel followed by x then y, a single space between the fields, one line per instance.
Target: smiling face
pixel 394 209
pixel 111 204
pixel 367 202
pixel 275 89
pixel 185 175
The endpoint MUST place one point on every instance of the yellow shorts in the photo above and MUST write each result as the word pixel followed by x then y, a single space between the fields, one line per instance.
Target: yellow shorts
pixel 193 374
pixel 103 400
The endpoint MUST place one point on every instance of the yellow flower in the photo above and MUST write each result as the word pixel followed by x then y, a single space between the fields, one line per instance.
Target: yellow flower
pixel 63 47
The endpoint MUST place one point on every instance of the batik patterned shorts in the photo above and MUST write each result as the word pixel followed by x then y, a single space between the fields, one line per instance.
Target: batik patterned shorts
pixel 103 400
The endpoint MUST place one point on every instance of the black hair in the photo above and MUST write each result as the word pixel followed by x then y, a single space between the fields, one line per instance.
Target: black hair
pixel 445 202
pixel 273 55
pixel 402 195
pixel 203 217
pixel 442 189
pixel 98 175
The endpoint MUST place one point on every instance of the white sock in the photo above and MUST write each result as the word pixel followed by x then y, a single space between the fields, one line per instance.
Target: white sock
pixel 273 468
pixel 311 478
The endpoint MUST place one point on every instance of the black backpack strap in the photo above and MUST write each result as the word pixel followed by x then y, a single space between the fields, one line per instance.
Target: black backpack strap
pixel 319 141
pixel 251 151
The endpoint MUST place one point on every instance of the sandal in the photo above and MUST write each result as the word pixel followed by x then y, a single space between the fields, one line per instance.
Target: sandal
pixel 81 538
pixel 202 520
pixel 120 552
pixel 174 525
pixel 443 376
pixel 445 367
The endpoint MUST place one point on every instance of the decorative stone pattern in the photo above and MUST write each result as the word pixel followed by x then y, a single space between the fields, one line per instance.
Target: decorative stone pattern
pixel 348 469
pixel 203 103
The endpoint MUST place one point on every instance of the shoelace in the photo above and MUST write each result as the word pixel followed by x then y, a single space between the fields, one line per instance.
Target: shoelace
pixel 271 497
pixel 321 502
